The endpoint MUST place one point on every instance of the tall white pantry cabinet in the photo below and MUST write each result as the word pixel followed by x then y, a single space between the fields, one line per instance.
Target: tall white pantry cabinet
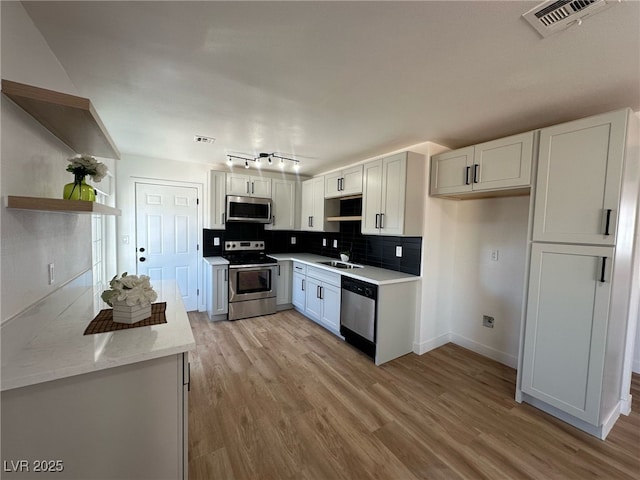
pixel 582 293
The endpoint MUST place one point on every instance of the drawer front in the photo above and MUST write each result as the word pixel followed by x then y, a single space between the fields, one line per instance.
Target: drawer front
pixel 324 276
pixel 300 268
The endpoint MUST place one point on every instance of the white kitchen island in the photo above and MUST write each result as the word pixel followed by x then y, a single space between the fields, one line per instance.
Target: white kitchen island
pixel 109 405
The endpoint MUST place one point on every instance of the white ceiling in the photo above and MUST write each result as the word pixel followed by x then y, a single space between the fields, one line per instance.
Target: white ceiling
pixel 336 81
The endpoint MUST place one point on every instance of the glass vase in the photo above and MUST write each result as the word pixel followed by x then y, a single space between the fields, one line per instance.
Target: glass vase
pixel 79 190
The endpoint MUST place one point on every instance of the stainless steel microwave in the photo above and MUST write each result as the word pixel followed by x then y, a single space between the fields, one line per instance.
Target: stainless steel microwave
pixel 248 209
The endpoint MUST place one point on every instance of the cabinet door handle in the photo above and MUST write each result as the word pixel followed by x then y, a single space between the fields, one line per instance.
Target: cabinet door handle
pixel 303 284
pixel 604 264
pixel 247 187
pixel 226 275
pixel 607 222
pixel 189 377
pixel 475 172
pixel 377 216
pixel 252 187
pixel 273 220
pixel 321 293
pixel 278 269
pixel 467 171
pixel 341 184
pixel 318 291
pixel 222 218
pixel 311 220
pixel 382 220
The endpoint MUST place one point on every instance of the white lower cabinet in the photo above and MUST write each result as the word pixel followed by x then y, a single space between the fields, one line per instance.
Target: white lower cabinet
pixel 297 286
pixel 316 294
pixel 283 284
pixel 127 422
pixel 566 328
pixel 217 291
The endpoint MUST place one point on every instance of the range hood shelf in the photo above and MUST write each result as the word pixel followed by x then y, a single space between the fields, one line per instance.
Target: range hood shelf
pixel 42 204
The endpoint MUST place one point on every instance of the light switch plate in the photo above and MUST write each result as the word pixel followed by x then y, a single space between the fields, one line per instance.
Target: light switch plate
pixel 216 241
pixel 335 244
pixel 324 242
pixel 398 251
pixel 293 240
pixel 495 254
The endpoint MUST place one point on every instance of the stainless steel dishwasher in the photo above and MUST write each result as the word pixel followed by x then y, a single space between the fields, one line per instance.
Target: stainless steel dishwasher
pixel 358 314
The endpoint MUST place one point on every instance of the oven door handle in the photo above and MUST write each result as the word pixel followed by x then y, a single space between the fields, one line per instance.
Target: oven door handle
pixel 254 266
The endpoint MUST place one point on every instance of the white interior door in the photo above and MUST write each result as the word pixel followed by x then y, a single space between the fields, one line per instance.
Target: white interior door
pixel 167 237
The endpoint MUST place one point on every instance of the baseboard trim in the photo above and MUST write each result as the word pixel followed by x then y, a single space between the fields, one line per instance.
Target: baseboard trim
pixel 497 355
pixel 625 405
pixel 424 347
pixel 600 432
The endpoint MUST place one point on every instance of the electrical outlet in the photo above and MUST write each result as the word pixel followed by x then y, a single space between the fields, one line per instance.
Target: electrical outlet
pixel 488 321
pixel 293 240
pixel 335 244
pixel 494 255
pixel 52 277
pixel 398 251
pixel 324 242
pixel 216 241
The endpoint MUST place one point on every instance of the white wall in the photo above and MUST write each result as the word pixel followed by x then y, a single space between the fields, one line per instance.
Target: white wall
pixel 483 286
pixel 33 163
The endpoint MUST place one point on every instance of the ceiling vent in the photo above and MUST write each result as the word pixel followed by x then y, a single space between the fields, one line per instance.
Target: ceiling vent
pixel 555 15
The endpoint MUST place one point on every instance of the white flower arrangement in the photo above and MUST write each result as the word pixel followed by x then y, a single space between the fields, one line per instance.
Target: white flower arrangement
pixel 83 165
pixel 132 289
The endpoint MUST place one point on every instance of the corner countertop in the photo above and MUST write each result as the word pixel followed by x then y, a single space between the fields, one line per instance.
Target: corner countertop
pixel 55 348
pixel 213 261
pixel 375 275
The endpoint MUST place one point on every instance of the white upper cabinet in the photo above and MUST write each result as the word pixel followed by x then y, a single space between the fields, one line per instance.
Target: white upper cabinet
pixel 501 164
pixel 313 212
pixel 343 183
pixel 283 205
pixel 450 171
pixel 217 192
pixel 392 195
pixel 248 185
pixel 579 177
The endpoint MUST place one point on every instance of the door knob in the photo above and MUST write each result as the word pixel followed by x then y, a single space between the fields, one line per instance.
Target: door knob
pixel 141 249
pixel 142 259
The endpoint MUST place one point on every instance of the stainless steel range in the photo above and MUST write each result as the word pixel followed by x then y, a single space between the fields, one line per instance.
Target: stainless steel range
pixel 252 279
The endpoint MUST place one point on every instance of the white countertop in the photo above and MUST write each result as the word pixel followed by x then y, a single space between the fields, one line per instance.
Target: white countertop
pixel 216 261
pixel 56 348
pixel 375 275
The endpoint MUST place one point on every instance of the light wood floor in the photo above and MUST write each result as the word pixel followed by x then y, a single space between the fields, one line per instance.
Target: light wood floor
pixel 278 397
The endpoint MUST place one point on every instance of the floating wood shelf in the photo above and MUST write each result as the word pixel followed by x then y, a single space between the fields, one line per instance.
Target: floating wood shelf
pixel 351 218
pixel 58 205
pixel 72 119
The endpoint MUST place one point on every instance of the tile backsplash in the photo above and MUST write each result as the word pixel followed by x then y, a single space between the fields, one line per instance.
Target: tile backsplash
pixel 374 250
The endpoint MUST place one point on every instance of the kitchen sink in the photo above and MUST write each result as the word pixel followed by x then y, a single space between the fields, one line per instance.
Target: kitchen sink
pixel 339 264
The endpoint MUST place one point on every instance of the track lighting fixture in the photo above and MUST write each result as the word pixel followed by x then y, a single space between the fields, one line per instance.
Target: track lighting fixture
pixel 268 156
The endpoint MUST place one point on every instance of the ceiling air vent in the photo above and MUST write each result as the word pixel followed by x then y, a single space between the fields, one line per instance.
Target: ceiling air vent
pixel 203 139
pixel 554 15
